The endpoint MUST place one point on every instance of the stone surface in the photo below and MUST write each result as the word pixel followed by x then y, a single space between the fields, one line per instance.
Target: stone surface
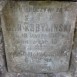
pixel 2 54
pixel 74 53
pixel 38 38
pixel 61 74
pixel 11 74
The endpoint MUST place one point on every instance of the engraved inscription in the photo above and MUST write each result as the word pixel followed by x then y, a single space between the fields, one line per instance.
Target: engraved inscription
pixel 38 37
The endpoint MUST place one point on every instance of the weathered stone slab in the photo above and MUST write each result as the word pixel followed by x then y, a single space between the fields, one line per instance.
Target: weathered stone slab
pixel 38 35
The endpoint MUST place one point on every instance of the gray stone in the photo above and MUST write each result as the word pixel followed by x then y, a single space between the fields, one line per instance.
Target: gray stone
pixel 64 74
pixel 74 53
pixel 2 55
pixel 61 74
pixel 2 59
pixel 38 35
pixel 24 75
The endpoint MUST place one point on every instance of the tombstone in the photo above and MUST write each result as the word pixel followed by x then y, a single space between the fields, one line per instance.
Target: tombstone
pixel 38 35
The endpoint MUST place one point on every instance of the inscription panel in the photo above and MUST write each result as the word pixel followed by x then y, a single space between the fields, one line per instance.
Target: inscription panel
pixel 38 38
